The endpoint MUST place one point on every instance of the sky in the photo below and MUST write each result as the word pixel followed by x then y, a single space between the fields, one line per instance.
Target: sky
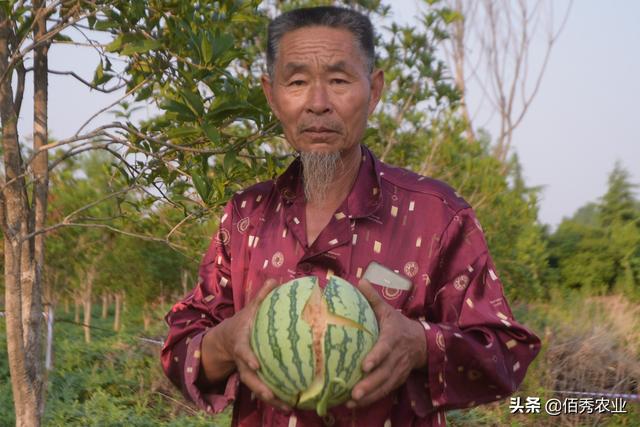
pixel 584 118
pixel 586 114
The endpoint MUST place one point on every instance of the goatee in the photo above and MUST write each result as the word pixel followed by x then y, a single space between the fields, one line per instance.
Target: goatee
pixel 319 171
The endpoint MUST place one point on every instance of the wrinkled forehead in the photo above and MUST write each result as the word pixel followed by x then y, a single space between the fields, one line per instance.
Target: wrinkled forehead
pixel 320 48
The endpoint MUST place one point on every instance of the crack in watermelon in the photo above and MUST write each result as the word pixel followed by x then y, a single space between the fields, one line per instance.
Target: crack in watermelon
pixel 325 350
pixel 316 314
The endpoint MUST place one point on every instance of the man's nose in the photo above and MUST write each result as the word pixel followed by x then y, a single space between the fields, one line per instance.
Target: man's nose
pixel 318 102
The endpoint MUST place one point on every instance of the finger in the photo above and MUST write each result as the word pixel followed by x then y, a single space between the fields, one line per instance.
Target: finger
pixel 371 294
pixel 251 379
pixel 259 388
pixel 378 353
pixel 244 353
pixel 376 385
pixel 268 286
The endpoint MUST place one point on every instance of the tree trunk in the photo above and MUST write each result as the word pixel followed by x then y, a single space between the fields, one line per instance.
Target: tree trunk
pixel 48 364
pixel 40 167
pixel 23 251
pixel 116 317
pixel 162 298
pixel 86 307
pixel 76 309
pixel 87 296
pixel 105 305
pixel 146 317
pixel 184 279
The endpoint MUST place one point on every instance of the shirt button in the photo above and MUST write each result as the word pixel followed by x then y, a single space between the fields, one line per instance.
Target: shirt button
pixel 305 267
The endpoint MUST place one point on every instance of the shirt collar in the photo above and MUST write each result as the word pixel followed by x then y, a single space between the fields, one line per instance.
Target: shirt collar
pixel 365 196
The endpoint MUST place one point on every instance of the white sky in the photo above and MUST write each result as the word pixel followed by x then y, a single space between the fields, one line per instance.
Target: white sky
pixel 586 114
pixel 585 117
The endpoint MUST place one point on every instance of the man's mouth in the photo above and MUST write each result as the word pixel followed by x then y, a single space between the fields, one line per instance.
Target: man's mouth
pixel 319 132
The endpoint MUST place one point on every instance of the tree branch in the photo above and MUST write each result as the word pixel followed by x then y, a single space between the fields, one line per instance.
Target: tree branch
pixel 114 229
pixel 86 83
pixel 129 92
pixel 18 55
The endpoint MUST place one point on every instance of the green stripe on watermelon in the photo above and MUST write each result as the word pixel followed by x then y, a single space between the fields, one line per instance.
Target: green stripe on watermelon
pixel 294 336
pixel 266 373
pixel 342 322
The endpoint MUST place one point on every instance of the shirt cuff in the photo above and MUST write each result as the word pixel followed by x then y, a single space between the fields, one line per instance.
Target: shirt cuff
pixel 427 391
pixel 210 401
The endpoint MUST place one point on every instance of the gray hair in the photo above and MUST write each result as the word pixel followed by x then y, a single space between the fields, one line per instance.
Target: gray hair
pixel 328 16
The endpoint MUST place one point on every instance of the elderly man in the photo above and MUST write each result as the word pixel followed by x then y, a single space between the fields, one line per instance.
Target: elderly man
pixel 448 341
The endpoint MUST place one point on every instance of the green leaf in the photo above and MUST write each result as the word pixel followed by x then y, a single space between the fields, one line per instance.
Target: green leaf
pixel 104 25
pixel 221 44
pixel 207 49
pixel 99 74
pixel 194 101
pixel 212 133
pixel 183 132
pixel 202 185
pixel 451 16
pixel 245 18
pixel 225 108
pixel 62 38
pixel 179 108
pixel 116 44
pixel 229 161
pixel 144 93
pixel 24 27
pixel 141 46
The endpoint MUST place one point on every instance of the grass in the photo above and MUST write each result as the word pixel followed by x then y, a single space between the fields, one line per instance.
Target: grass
pixel 116 380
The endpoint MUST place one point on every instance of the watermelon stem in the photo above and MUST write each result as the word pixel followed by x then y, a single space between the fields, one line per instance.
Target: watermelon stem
pixel 321 409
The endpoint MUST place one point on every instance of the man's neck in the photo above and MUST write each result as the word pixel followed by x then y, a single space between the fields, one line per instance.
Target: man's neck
pixel 343 181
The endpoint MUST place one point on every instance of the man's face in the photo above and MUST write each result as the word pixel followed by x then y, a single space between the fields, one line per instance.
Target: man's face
pixel 321 91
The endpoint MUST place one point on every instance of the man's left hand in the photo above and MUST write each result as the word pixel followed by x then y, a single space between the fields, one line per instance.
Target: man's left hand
pixel 401 347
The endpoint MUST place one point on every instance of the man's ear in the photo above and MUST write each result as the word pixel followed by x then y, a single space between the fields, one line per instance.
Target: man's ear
pixel 267 87
pixel 377 84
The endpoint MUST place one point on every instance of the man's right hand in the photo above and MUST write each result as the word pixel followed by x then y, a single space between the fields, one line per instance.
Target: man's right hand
pixel 228 347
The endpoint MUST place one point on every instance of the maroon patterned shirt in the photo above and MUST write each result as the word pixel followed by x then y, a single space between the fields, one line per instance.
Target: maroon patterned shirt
pixel 414 225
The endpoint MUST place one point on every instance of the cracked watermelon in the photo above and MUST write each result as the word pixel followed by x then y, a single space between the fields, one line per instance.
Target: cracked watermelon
pixel 311 343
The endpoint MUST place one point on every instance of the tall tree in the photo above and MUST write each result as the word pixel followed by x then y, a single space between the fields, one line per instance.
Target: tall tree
pixel 599 247
pixel 618 204
pixel 620 218
pixel 490 50
pixel 22 213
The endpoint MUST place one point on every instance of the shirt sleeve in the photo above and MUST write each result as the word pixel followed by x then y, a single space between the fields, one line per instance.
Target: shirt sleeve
pixel 477 351
pixel 208 304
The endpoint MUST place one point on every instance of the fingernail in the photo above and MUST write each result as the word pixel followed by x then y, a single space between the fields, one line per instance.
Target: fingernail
pixel 357 394
pixel 253 366
pixel 351 404
pixel 367 366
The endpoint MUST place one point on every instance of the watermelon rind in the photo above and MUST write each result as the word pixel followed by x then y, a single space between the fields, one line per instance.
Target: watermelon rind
pixel 283 343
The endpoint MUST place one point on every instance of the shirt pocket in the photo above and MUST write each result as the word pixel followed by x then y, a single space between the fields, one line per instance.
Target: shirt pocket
pixel 397 298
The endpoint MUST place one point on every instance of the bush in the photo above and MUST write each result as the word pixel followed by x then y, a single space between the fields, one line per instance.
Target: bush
pixel 589 344
pixel 116 380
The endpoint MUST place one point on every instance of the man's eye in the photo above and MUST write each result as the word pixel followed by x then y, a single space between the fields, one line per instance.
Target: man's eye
pixel 297 83
pixel 339 81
